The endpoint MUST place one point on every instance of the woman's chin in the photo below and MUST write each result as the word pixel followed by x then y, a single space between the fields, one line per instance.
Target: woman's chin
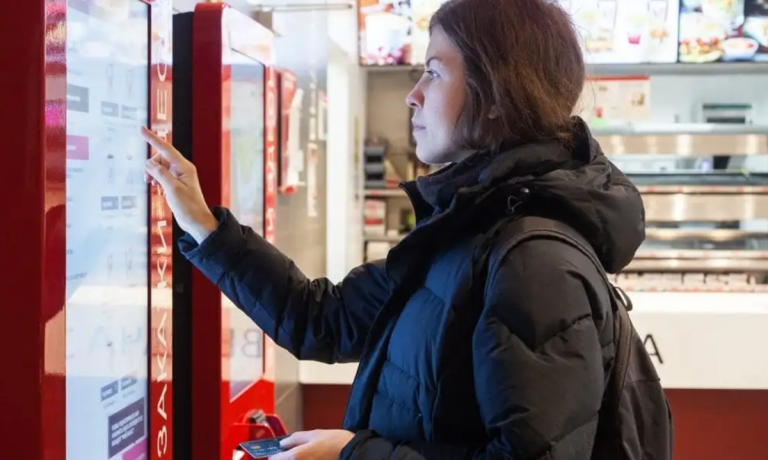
pixel 429 156
pixel 441 156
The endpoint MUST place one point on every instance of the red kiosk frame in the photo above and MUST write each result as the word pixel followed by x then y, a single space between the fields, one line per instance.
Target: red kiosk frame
pixel 34 128
pixel 217 31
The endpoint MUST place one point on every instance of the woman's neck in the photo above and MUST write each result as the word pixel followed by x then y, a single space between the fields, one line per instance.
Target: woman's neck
pixel 439 188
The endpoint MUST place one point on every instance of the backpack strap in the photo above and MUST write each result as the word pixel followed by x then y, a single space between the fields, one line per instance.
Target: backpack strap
pixel 507 234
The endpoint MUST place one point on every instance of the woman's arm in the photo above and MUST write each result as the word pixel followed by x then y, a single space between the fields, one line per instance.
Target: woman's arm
pixel 313 319
pixel 538 363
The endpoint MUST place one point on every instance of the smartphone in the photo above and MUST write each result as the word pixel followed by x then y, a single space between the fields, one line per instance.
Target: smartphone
pixel 263 447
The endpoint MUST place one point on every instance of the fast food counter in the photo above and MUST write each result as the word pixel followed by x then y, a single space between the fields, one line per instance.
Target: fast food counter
pixel 700 280
pixel 699 283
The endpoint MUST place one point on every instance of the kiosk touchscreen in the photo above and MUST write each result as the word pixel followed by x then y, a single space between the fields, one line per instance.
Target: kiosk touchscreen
pixel 107 233
pixel 101 84
pixel 228 129
pixel 246 201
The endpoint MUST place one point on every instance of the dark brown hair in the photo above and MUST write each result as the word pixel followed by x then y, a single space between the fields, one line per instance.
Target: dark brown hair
pixel 524 69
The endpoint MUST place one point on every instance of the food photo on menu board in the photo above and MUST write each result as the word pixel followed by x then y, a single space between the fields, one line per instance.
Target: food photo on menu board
pixel 626 31
pixel 723 30
pixel 395 32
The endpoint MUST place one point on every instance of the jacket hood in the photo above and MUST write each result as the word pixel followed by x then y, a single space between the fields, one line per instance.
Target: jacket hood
pixel 576 185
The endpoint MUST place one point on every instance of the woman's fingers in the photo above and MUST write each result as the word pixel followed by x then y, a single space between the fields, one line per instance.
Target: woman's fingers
pixel 162 161
pixel 161 174
pixel 148 179
pixel 164 148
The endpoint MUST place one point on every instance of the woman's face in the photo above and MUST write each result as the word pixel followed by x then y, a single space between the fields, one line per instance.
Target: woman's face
pixel 437 100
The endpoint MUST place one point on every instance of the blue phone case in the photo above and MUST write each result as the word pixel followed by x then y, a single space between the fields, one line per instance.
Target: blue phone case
pixel 263 447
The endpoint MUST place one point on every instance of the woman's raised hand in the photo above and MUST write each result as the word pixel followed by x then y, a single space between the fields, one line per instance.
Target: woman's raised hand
pixel 178 178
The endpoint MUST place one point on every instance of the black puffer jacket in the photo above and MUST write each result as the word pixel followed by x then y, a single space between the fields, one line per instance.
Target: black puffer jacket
pixel 520 376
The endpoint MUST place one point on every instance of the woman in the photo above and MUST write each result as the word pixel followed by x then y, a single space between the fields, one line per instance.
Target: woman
pixel 521 375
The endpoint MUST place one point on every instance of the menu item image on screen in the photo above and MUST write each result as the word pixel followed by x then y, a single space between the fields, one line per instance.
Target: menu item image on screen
pixel 626 31
pixel 723 30
pixel 385 32
pixel 107 237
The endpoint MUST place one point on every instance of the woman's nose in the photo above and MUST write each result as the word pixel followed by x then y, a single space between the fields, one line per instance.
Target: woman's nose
pixel 415 98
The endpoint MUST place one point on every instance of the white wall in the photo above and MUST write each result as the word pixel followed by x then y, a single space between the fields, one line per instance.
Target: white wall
pixel 342 30
pixel 346 101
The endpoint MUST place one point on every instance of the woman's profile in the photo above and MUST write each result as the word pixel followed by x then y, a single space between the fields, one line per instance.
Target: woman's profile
pixel 458 360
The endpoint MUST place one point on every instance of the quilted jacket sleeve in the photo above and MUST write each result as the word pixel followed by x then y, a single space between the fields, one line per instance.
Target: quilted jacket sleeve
pixel 314 319
pixel 538 362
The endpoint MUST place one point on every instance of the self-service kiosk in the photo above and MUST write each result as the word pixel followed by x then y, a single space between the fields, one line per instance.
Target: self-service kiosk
pixel 226 82
pixel 85 274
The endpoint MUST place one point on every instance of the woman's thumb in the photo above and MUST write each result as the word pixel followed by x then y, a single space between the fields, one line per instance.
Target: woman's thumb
pixel 161 174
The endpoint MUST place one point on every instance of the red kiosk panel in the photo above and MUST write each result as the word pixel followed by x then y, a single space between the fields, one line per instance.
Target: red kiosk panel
pixel 234 145
pixel 160 242
pixel 84 226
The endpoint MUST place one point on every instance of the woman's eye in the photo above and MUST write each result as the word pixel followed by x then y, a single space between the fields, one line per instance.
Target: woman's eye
pixel 431 74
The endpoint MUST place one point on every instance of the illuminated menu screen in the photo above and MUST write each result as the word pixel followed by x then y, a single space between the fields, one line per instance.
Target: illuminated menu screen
pixel 626 31
pixel 106 262
pixel 723 30
pixel 612 31
pixel 246 175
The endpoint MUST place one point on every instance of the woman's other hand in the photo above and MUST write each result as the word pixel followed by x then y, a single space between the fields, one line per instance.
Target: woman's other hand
pixel 178 178
pixel 314 445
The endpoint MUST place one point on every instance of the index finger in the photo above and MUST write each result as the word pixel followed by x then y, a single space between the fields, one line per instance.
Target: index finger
pixel 165 148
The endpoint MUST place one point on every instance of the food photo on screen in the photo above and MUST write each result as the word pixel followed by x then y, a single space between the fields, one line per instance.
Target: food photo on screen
pixel 385 32
pixel 626 31
pixel 723 31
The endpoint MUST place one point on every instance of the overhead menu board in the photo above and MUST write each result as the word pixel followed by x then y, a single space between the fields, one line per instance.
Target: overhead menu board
pixel 723 30
pixel 612 31
pixel 626 31
pixel 396 32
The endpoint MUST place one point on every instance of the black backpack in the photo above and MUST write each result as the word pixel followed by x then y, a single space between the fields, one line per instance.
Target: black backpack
pixel 635 421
